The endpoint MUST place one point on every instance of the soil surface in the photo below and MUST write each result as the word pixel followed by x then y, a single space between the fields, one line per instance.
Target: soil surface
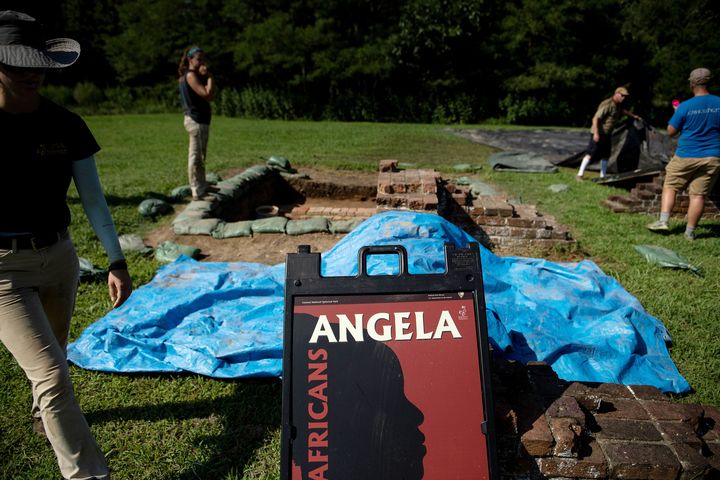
pixel 271 249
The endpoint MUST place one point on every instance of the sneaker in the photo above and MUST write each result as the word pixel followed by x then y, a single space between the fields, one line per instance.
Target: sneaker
pixel 659 226
pixel 690 236
pixel 578 178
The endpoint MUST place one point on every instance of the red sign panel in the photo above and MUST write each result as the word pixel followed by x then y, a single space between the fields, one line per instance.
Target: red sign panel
pixel 387 387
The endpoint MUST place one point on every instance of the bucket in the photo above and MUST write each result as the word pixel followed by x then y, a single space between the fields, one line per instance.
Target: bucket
pixel 265 211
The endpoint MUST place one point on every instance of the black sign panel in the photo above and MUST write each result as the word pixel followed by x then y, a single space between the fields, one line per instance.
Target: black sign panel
pixel 386 377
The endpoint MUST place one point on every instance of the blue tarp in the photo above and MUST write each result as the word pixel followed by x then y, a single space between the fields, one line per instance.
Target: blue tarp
pixel 225 319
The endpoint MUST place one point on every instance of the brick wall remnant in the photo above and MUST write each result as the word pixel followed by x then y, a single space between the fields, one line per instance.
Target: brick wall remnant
pixel 645 197
pixel 550 428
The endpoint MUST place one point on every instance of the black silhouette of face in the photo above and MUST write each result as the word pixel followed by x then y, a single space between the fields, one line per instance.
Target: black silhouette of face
pixel 372 428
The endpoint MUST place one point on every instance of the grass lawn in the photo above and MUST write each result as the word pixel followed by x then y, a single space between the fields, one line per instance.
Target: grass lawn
pixel 192 427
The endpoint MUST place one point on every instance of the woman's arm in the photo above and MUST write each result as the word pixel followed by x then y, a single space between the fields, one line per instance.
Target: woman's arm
pixel 206 91
pixel 93 201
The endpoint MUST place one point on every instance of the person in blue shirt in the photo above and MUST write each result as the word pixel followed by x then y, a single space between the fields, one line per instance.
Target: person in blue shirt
pixel 696 163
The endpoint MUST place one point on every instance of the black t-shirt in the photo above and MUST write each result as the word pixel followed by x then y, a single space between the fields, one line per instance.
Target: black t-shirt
pixel 36 164
pixel 193 104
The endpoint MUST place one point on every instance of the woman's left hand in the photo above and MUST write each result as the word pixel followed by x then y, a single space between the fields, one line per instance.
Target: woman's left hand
pixel 119 286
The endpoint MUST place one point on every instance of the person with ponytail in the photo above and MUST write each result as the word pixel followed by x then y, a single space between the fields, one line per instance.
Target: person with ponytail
pixel 197 90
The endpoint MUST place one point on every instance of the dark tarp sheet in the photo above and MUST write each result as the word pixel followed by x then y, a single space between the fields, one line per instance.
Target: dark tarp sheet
pixel 555 143
pixel 521 162
pixel 225 319
pixel 636 147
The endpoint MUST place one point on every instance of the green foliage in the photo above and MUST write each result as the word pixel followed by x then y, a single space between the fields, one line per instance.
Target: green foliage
pixel 674 37
pixel 88 94
pixel 60 94
pixel 458 109
pixel 531 61
pixel 254 103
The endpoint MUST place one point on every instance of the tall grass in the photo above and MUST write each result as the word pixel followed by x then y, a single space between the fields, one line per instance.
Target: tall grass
pixel 187 426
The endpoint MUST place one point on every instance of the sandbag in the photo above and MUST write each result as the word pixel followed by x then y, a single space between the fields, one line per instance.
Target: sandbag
pixel 280 163
pixel 153 207
pixel 665 257
pixel 169 251
pixel 270 225
pixel 345 226
pixel 133 243
pixel 201 226
pixel 233 229
pixel 310 225
pixel 90 272
pixel 178 194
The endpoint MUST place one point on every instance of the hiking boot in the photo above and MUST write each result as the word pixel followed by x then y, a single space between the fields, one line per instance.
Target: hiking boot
pixel 659 226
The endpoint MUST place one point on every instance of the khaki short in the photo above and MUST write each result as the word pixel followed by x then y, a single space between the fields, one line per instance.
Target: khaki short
pixel 697 174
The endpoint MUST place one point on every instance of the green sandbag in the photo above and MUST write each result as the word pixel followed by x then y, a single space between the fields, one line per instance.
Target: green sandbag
pixel 178 194
pixel 90 272
pixel 345 226
pixel 234 229
pixel 665 257
pixel 466 167
pixel 280 163
pixel 152 207
pixel 169 251
pixel 270 225
pixel 212 177
pixel 191 226
pixel 133 243
pixel 311 225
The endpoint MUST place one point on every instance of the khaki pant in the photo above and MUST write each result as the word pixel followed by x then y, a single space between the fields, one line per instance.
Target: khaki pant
pixel 37 298
pixel 199 134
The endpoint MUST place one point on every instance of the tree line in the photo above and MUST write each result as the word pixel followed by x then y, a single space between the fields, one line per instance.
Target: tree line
pixel 542 62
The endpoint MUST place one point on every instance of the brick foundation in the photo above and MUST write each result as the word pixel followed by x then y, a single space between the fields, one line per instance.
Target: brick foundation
pixel 550 428
pixel 493 219
pixel 645 197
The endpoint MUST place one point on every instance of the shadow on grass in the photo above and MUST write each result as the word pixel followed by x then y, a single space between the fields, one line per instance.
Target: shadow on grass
pixel 707 231
pixel 248 417
pixel 114 200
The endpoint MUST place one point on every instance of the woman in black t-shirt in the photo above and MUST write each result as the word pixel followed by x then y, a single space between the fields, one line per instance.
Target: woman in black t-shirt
pixel 39 268
pixel 197 89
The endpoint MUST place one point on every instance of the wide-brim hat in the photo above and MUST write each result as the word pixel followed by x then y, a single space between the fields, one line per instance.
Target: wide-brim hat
pixel 23 44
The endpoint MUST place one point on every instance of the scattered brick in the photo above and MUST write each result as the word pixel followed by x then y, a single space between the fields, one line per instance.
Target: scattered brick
pixel 567 433
pixel 388 165
pixel 646 392
pixel 679 432
pixel 641 461
pixel 711 424
pixel 566 407
pixel 668 411
pixel 713 460
pixel 694 464
pixel 629 430
pixel 589 464
pixel 623 409
pixel 538 440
